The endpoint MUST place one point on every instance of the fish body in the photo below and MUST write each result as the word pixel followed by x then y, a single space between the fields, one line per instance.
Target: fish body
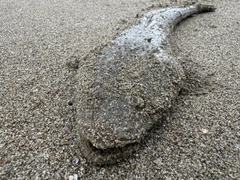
pixel 134 83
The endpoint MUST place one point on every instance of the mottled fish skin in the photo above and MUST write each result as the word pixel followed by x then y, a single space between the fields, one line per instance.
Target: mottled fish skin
pixel 134 81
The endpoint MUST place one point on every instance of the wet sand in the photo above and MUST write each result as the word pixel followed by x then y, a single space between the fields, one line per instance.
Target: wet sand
pixel 199 140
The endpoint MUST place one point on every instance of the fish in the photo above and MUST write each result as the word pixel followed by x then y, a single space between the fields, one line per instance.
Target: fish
pixel 130 84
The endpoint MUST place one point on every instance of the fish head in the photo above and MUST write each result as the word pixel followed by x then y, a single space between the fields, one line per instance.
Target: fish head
pixel 113 120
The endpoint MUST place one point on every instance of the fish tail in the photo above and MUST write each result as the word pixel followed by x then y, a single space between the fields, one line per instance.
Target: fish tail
pixel 183 12
pixel 204 8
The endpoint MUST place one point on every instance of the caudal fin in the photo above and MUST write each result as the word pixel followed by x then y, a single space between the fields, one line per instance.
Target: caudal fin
pixel 205 8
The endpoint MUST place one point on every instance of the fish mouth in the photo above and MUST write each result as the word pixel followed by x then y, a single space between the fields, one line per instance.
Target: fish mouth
pixel 113 130
pixel 107 156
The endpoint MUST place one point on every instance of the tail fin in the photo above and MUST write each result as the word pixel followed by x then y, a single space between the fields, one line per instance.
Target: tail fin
pixel 184 12
pixel 204 8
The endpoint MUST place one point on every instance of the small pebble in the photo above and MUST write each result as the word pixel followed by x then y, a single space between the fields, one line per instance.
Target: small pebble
pixel 205 131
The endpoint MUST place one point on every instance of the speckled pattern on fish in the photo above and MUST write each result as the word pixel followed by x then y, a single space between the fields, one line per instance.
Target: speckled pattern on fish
pixel 129 85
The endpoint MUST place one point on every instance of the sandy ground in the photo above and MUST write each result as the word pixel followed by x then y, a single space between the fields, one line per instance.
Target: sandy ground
pixel 201 138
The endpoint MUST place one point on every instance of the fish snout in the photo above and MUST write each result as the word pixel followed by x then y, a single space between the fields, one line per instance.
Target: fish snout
pixel 114 121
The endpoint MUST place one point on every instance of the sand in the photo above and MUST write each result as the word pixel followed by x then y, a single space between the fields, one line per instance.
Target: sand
pixel 199 140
